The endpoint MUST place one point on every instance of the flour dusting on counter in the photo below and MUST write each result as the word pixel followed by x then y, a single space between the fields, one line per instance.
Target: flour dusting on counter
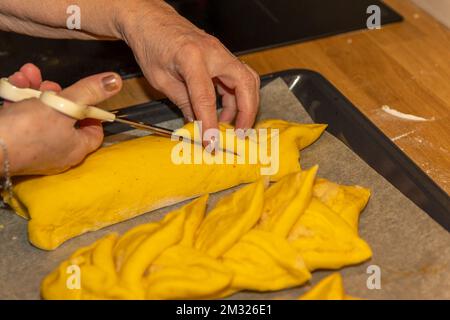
pixel 404 116
pixel 403 135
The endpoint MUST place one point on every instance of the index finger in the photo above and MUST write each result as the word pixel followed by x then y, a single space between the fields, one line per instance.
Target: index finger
pixel 245 83
pixel 201 92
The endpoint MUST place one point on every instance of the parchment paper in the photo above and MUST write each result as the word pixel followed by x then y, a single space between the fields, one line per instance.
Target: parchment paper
pixel 412 251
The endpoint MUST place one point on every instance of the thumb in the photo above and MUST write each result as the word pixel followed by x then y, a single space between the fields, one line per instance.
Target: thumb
pixel 91 91
pixel 90 135
pixel 94 89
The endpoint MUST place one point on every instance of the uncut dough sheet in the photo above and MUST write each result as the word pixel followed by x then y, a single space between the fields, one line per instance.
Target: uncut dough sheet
pixel 411 249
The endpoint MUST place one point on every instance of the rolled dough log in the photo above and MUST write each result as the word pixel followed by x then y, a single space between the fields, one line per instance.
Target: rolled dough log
pixel 122 181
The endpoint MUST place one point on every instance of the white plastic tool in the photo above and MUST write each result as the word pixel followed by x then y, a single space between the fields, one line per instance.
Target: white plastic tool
pixel 12 93
pixel 77 111
pixel 50 98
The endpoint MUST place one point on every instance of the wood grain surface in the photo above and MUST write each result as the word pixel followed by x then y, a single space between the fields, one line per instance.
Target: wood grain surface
pixel 405 66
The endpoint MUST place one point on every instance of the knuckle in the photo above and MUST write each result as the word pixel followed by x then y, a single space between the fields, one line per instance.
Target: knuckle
pixel 183 104
pixel 256 76
pixel 94 92
pixel 205 99
pixel 195 47
pixel 87 91
pixel 249 112
pixel 213 42
pixel 158 83
pixel 247 80
pixel 189 49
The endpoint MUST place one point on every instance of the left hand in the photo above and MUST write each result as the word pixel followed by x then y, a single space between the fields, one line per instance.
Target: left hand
pixel 41 140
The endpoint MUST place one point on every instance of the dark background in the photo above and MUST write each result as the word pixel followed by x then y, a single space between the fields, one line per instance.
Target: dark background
pixel 242 25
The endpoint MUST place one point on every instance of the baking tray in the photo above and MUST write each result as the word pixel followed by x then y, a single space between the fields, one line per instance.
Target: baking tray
pixel 325 104
pixel 411 249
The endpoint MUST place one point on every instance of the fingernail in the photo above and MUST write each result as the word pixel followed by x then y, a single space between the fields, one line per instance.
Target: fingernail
pixel 212 145
pixel 240 133
pixel 211 140
pixel 110 83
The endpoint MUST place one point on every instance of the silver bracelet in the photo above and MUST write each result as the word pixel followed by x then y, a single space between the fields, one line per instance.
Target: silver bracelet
pixel 7 183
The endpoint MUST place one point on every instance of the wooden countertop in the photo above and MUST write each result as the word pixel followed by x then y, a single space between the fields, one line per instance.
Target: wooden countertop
pixel 405 66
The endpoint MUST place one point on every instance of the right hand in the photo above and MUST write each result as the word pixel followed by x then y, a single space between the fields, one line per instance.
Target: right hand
pixel 41 140
pixel 186 63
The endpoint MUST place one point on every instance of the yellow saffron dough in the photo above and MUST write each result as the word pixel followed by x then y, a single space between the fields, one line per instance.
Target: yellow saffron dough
pixel 292 136
pixel 252 239
pixel 122 181
pixel 193 255
pixel 114 267
pixel 329 288
pixel 264 261
pixel 347 201
pixel 182 272
pixel 233 216
pixel 286 200
pixel 325 240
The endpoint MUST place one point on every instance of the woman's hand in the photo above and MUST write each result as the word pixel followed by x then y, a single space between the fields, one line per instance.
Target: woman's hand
pixel 177 58
pixel 185 63
pixel 41 140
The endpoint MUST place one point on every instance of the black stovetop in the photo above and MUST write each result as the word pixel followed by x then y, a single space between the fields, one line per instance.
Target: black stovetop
pixel 242 25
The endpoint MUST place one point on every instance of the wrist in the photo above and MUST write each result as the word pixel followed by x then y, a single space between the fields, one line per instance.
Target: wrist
pixel 2 161
pixel 5 168
pixel 5 147
pixel 138 16
pixel 7 187
pixel 9 152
